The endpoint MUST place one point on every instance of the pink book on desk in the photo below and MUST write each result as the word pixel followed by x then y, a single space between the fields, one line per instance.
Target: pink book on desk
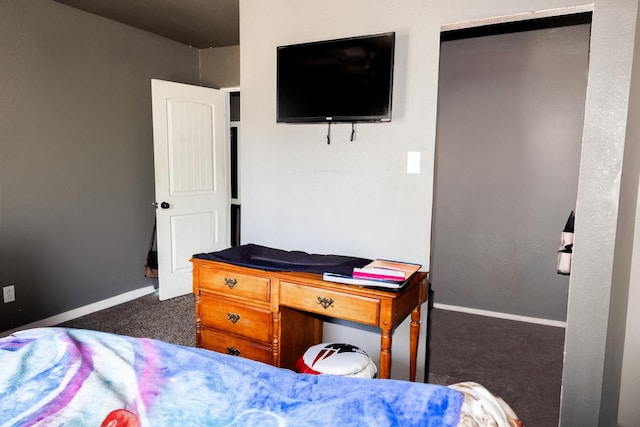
pixel 380 275
pixel 386 270
pixel 376 283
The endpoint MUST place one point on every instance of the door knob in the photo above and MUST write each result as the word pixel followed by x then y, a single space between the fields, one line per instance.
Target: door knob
pixel 164 205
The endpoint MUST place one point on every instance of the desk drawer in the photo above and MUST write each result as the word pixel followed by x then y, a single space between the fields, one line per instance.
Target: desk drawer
pixel 330 303
pixel 221 343
pixel 234 284
pixel 236 318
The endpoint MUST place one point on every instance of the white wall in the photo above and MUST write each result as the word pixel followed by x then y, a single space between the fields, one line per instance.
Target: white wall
pixel 350 198
pixel 355 198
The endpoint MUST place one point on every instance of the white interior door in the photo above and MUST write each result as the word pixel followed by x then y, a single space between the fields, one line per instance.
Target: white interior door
pixel 190 134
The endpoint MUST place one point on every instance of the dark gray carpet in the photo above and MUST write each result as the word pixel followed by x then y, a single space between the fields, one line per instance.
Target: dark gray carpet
pixel 520 362
pixel 171 320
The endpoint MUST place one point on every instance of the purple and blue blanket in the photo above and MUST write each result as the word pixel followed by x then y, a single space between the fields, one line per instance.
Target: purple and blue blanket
pixel 56 376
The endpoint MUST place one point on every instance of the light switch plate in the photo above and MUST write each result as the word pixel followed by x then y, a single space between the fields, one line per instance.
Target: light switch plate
pixel 9 293
pixel 413 162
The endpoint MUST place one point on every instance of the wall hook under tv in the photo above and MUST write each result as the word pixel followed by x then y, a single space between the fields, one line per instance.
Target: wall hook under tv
pixel 353 131
pixel 329 134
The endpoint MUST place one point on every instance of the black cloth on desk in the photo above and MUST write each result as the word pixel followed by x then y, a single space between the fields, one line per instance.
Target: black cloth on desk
pixel 270 259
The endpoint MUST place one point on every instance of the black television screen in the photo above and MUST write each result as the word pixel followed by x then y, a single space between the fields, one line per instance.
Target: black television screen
pixel 343 80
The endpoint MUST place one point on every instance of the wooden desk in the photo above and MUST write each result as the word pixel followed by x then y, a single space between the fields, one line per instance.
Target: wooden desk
pixel 273 317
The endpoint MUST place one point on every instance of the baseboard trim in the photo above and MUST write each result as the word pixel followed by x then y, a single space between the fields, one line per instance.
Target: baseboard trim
pixel 538 321
pixel 83 311
pixel 131 295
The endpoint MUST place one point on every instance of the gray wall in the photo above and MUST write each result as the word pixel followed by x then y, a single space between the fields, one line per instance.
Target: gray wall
pixel 600 274
pixel 76 154
pixel 75 120
pixel 510 115
pixel 220 67
pixel 623 337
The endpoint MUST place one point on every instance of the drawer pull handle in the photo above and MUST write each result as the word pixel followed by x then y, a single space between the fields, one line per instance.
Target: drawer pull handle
pixel 325 302
pixel 230 283
pixel 233 317
pixel 233 351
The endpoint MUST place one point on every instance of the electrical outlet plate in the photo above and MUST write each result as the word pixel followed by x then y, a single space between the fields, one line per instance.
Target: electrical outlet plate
pixel 9 293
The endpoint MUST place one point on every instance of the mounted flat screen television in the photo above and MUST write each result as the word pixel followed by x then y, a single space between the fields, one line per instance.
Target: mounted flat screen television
pixel 343 80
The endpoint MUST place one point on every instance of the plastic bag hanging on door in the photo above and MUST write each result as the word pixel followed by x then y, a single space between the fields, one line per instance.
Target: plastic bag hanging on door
pixel 565 252
pixel 151 266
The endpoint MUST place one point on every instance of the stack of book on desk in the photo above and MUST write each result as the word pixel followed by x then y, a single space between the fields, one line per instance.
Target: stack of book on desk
pixel 379 273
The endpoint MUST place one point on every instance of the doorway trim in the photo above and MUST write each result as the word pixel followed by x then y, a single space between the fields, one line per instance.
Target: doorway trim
pixel 507 19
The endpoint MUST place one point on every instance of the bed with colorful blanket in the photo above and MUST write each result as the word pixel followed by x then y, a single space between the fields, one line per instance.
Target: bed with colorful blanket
pixel 73 377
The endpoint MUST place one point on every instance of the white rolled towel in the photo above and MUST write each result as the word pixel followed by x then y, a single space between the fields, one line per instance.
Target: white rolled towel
pixel 565 253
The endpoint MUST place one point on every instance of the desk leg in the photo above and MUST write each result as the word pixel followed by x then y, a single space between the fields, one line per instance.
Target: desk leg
pixel 427 345
pixel 275 343
pixel 385 354
pixel 198 322
pixel 413 342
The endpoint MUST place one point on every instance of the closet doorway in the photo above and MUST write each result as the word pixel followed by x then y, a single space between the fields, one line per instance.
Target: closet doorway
pixel 509 135
pixel 234 167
